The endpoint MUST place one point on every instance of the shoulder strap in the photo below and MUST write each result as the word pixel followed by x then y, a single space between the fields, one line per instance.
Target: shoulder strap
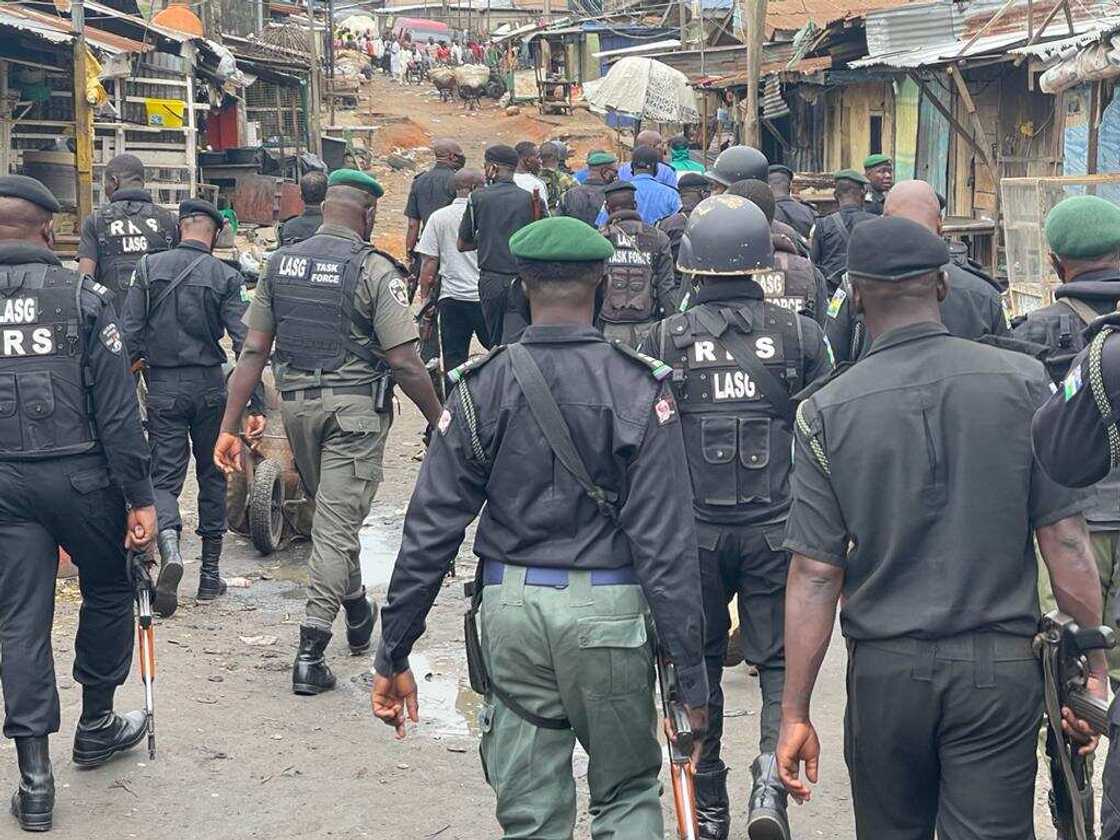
pixel 841 227
pixel 174 284
pixel 547 414
pixel 657 368
pixel 734 342
pixel 1080 308
pixel 1100 395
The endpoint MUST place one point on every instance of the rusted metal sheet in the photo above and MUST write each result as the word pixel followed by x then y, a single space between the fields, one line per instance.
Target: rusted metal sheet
pixel 254 199
pixel 291 204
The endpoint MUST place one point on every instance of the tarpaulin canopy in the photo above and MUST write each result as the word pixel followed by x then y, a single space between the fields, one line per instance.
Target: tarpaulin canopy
pixel 646 89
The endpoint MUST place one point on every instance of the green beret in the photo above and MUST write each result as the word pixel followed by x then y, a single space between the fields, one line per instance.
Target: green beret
pixel 850 175
pixel 1083 227
pixel 357 180
pixel 871 161
pixel 560 239
pixel 601 159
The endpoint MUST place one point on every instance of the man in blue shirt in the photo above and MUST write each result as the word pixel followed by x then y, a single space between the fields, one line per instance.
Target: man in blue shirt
pixel 655 199
pixel 665 173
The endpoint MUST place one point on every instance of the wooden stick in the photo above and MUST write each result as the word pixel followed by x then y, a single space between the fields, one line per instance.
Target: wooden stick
pixel 990 23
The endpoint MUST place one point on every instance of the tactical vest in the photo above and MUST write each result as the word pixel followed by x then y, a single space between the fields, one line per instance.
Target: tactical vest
pixel 45 406
pixel 313 285
pixel 126 230
pixel 628 297
pixel 738 443
pixel 792 285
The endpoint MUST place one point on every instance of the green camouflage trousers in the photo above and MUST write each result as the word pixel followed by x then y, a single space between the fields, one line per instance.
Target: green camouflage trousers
pixel 583 653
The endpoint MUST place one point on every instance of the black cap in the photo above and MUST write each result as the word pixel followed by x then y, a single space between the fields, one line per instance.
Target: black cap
pixel 199 207
pixel 894 248
pixel 502 155
pixel 20 186
pixel 619 186
pixel 781 167
pixel 692 181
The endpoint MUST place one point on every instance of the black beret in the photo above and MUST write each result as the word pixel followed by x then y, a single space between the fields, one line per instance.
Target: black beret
pixel 693 181
pixel 502 155
pixel 200 207
pixel 619 186
pixel 20 186
pixel 894 248
pixel 781 167
pixel 646 157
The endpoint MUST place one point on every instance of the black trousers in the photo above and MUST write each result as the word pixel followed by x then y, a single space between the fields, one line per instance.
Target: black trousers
pixel 1110 801
pixel 459 322
pixel 44 504
pixel 747 561
pixel 944 735
pixel 493 293
pixel 185 407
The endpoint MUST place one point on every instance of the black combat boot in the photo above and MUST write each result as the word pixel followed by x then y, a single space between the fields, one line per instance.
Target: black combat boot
pixel 210 585
pixel 170 573
pixel 33 803
pixel 361 615
pixel 310 674
pixel 102 733
pixel 767 820
pixel 713 810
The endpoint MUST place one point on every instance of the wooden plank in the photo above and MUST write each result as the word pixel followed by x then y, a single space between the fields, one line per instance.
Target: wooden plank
pixel 970 106
pixel 5 124
pixel 1046 21
pixel 988 25
pixel 960 129
pixel 1093 151
pixel 83 132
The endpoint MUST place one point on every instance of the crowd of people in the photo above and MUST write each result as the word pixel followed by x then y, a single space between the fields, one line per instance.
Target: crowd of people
pixel 849 403
pixel 395 54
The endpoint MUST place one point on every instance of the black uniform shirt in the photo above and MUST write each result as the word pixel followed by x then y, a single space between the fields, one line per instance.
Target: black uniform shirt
pixel 185 329
pixel 493 215
pixel 301 227
pixel 829 248
pixel 430 191
pixel 116 412
pixel 583 202
pixel 797 214
pixel 626 427
pixel 874 202
pixel 920 459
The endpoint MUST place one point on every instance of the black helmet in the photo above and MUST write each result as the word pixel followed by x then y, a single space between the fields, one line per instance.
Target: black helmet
pixel 738 163
pixel 726 234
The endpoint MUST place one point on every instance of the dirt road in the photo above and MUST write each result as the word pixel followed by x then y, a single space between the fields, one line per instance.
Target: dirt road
pixel 241 757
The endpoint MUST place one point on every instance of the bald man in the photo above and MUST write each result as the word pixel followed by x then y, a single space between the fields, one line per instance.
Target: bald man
pixel 972 308
pixel 665 173
pixel 430 191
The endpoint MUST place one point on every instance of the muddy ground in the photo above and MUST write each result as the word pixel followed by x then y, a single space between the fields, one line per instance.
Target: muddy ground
pixel 241 757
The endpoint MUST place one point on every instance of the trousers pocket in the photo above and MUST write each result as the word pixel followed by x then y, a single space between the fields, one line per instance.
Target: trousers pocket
pixel 617 655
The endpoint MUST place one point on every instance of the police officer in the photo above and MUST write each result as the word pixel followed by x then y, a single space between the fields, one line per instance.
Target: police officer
pixel 584 201
pixel 429 192
pixel 115 236
pixel 640 287
pixel 879 171
pixel 493 215
pixel 565 638
pixel 972 309
pixel 179 306
pixel 693 188
pixel 736 163
pixel 915 495
pixel 556 181
pixel 829 246
pixel 1083 233
pixel 339 314
pixel 794 212
pixel 73 473
pixel 312 189
pixel 796 284
pixel 737 360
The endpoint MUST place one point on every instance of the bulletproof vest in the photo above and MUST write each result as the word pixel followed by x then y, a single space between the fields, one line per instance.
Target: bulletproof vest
pixel 792 285
pixel 313 286
pixel 628 297
pixel 738 443
pixel 45 408
pixel 126 230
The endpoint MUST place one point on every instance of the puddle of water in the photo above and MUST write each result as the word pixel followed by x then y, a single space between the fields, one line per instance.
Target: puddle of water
pixel 448 705
pixel 380 541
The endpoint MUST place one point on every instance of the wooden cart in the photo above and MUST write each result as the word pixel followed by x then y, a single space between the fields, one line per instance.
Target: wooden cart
pixel 554 95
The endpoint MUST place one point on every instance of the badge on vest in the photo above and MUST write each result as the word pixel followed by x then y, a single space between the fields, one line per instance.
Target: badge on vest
pixel 111 338
pixel 19 310
pixel 26 341
pixel 1072 383
pixel 665 408
pixel 837 302
pixel 131 239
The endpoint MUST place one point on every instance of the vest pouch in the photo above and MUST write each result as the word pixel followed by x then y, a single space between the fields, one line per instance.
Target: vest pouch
pixel 715 482
pixel 11 435
pixel 36 395
pixel 754 458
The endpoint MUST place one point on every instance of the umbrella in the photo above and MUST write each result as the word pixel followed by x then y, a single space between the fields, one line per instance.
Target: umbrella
pixel 645 89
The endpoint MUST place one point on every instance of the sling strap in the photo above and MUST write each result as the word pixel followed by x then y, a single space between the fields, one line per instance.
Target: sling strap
pixel 735 344
pixel 547 414
pixel 841 226
pixel 1080 308
pixel 174 284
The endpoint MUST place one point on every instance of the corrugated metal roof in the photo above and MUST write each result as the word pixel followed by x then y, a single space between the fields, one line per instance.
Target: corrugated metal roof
pixel 57 30
pixel 791 15
pixel 1051 50
pixel 911 26
pixel 939 53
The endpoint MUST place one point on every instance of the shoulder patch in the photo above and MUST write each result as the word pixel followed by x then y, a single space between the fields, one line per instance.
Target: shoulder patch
pixel 837 302
pixel 245 294
pixel 398 290
pixel 111 338
pixel 95 287
pixel 657 368
pixel 1072 383
pixel 665 408
pixel 468 367
pixel 444 422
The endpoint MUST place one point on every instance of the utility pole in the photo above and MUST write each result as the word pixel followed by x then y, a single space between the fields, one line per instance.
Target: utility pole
pixel 314 87
pixel 684 23
pixel 83 115
pixel 754 19
pixel 330 57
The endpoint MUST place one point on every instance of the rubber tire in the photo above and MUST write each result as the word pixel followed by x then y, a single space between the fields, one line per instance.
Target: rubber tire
pixel 266 506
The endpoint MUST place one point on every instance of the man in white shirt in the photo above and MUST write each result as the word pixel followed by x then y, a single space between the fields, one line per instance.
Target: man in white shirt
pixel 528 165
pixel 460 313
pixel 456 53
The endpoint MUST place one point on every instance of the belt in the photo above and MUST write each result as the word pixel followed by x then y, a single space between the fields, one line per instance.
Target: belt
pixel 315 393
pixel 982 649
pixel 493 573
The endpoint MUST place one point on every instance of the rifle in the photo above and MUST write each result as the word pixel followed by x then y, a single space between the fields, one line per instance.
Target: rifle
pixel 139 569
pixel 680 753
pixel 1062 646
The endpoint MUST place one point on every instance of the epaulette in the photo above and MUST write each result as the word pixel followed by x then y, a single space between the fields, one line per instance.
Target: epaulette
pixel 89 284
pixel 397 264
pixel 657 368
pixel 471 365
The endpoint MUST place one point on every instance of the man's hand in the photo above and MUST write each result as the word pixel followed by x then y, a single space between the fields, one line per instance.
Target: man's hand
pixel 1078 730
pixel 227 453
pixel 698 719
pixel 141 527
pixel 798 743
pixel 392 697
pixel 255 425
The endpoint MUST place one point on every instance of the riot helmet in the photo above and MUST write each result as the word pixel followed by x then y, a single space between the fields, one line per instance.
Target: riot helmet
pixel 738 163
pixel 726 235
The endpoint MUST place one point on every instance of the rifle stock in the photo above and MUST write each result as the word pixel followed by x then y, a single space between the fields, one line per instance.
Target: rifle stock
pixel 680 750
